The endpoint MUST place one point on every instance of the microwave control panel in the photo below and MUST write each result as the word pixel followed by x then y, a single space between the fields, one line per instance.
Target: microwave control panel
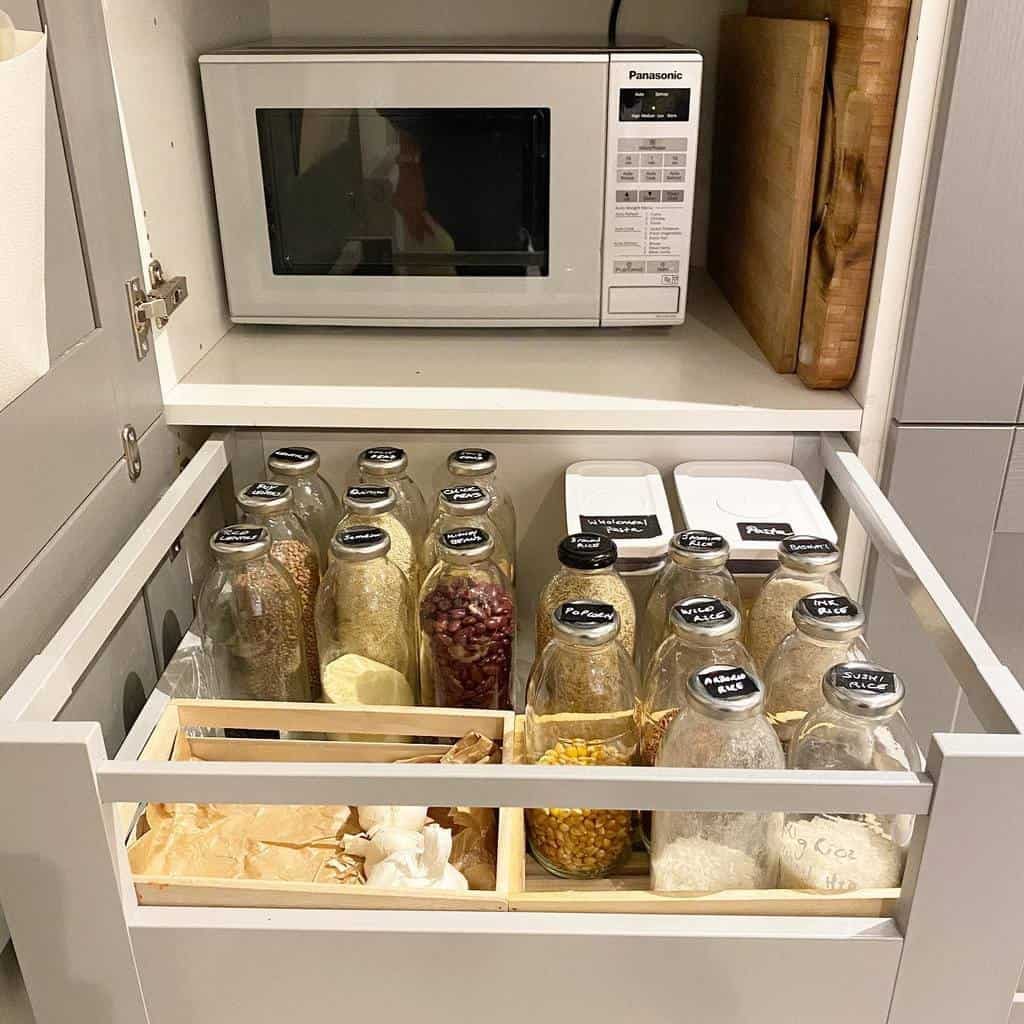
pixel 653 117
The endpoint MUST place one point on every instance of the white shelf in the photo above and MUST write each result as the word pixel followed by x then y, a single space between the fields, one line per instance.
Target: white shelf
pixel 705 375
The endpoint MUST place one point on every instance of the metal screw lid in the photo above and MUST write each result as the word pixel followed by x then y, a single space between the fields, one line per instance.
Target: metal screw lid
pixel 464 500
pixel 294 460
pixel 360 543
pixel 804 553
pixel 588 623
pixel 726 692
pixel 705 618
pixel 240 543
pixel 472 462
pixel 587 551
pixel 864 689
pixel 370 500
pixel 699 549
pixel 383 460
pixel 829 617
pixel 466 545
pixel 266 498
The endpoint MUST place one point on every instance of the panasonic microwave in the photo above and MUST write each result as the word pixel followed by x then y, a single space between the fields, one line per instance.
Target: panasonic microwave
pixel 477 187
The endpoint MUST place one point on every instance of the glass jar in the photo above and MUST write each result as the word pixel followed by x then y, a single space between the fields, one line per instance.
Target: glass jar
pixel 462 507
pixel 697 567
pixel 828 630
pixel 480 466
pixel 721 726
pixel 581 709
pixel 587 574
pixel 807 565
pixel 364 623
pixel 704 631
pixel 316 503
pixel 272 505
pixel 467 620
pixel 385 464
pixel 250 619
pixel 859 727
pixel 377 505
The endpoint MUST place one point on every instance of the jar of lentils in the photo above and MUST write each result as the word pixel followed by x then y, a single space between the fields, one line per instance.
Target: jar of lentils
pixel 316 503
pixel 581 709
pixel 272 505
pixel 467 621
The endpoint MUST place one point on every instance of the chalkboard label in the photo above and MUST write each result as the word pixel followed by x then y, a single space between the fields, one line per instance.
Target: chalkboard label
pixel 238 536
pixel 365 493
pixel 467 537
pixel 764 531
pixel 266 490
pixel 829 606
pixel 472 456
pixel 699 540
pixel 699 611
pixel 361 537
pixel 622 527
pixel 587 614
pixel 727 683
pixel 294 454
pixel 463 494
pixel 809 546
pixel 383 454
pixel 859 679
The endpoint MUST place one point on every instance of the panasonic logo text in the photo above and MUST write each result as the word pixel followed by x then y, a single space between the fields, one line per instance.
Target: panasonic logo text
pixel 654 76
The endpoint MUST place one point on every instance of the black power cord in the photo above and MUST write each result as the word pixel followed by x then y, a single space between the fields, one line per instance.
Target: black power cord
pixel 613 24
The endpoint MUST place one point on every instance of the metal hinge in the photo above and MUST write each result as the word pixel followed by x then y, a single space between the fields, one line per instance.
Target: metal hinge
pixel 152 309
pixel 132 455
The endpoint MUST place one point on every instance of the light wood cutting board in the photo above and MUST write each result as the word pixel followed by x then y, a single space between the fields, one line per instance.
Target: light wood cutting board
pixel 771 75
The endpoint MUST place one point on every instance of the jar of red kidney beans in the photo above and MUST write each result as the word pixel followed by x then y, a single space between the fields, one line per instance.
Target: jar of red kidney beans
pixel 467 619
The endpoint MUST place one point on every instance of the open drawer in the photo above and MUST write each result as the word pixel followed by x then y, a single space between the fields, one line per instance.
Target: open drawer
pixel 947 950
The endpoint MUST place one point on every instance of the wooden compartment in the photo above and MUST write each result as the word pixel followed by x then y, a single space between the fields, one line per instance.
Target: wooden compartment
pixel 531 888
pixel 171 740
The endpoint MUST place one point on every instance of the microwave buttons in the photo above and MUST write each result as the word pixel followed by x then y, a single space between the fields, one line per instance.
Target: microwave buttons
pixel 629 266
pixel 663 266
pixel 629 159
pixel 626 175
pixel 672 195
pixel 675 159
pixel 677 175
pixel 650 195
pixel 626 196
pixel 650 175
pixel 651 159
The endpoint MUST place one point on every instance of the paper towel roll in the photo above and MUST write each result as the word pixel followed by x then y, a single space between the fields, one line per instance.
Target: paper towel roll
pixel 24 354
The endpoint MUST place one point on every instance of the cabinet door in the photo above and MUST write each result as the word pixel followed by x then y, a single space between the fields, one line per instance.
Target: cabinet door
pixel 62 435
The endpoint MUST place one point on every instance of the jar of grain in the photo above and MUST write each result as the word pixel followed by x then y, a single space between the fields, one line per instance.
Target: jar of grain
pixel 828 630
pixel 587 574
pixel 386 464
pixel 462 507
pixel 696 567
pixel 859 727
pixel 807 565
pixel 377 505
pixel 581 709
pixel 272 505
pixel 364 623
pixel 316 503
pixel 467 620
pixel 250 620
pixel 480 466
pixel 721 726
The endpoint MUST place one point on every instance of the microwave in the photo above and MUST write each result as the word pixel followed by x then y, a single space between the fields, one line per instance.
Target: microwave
pixel 478 187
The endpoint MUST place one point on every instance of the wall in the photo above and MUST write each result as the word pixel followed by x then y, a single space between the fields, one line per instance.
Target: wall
pixel 692 23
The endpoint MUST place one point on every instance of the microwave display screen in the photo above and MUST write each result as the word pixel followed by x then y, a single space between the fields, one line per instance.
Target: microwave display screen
pixel 388 192
pixel 654 104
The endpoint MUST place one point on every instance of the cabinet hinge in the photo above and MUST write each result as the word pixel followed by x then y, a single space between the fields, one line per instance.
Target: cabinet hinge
pixel 152 309
pixel 132 455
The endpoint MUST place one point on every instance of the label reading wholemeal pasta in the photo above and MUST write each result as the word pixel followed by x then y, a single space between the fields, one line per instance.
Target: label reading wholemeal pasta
pixel 622 527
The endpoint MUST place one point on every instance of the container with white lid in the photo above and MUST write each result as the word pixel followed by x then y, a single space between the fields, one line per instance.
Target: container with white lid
pixel 623 500
pixel 753 505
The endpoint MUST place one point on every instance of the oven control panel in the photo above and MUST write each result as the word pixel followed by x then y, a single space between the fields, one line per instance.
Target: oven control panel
pixel 653 117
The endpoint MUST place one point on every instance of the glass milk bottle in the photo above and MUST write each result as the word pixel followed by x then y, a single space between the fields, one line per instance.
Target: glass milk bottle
pixel 386 464
pixel 480 466
pixel 316 503
pixel 461 507
pixel 377 505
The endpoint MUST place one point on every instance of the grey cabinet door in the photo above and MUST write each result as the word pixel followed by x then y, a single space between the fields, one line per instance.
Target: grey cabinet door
pixel 62 435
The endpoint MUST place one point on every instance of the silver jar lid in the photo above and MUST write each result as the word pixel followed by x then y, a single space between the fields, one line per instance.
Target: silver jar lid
pixel 699 549
pixel 266 498
pixel 464 500
pixel 294 460
pixel 240 543
pixel 588 623
pixel 465 545
pixel 371 500
pixel 829 617
pixel 864 689
pixel 383 460
pixel 705 619
pixel 726 692
pixel 360 543
pixel 804 553
pixel 472 462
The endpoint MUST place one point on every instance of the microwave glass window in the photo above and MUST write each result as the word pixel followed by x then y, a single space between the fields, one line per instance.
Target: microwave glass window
pixel 431 192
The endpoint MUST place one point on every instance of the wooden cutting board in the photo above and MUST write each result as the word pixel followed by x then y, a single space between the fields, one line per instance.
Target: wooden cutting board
pixel 771 76
pixel 864 65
